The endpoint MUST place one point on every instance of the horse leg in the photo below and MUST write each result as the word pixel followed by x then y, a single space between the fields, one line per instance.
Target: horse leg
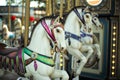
pixel 80 56
pixel 60 73
pixel 88 49
pixel 98 50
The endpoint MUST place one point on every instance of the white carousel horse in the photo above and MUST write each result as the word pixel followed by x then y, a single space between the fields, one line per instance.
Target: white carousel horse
pixel 19 31
pixel 7 36
pixel 36 58
pixel 76 18
pixel 6 33
pixel 88 37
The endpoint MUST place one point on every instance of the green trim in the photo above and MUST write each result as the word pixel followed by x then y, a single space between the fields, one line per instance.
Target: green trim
pixel 41 58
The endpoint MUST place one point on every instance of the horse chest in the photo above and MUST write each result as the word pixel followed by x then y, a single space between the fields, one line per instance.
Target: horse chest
pixel 87 40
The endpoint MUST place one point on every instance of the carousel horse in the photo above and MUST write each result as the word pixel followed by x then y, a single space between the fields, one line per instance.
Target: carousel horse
pixel 1 35
pixel 19 31
pixel 76 18
pixel 7 36
pixel 89 39
pixel 36 59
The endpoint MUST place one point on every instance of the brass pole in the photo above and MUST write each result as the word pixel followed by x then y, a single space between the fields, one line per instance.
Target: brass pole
pixel 53 7
pixel 77 2
pixel 47 7
pixel 27 15
pixel 68 7
pixel 22 12
pixel 50 7
pixel 61 8
pixel 9 23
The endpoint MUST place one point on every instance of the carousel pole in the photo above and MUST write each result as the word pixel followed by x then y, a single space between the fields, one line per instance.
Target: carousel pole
pixel 22 12
pixel 9 21
pixel 48 7
pixel 61 9
pixel 61 55
pixel 77 2
pixel 27 15
pixel 68 7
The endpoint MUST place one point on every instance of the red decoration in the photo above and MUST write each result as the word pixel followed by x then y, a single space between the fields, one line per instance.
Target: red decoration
pixel 13 18
pixel 32 18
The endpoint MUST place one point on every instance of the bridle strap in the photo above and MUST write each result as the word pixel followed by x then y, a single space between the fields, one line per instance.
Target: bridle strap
pixel 47 29
pixel 94 23
pixel 79 16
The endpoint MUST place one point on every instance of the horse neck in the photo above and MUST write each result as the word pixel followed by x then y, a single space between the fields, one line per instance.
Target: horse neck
pixel 72 24
pixel 5 28
pixel 87 29
pixel 40 42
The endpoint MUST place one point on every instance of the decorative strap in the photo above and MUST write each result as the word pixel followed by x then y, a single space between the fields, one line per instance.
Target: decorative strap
pixel 85 34
pixel 39 57
pixel 68 34
pixel 79 16
pixel 47 29
pixel 21 61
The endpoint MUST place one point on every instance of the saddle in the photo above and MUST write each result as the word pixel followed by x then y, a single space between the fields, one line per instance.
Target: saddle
pixel 8 51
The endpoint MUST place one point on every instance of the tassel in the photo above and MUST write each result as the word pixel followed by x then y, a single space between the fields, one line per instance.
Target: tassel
pixel 35 65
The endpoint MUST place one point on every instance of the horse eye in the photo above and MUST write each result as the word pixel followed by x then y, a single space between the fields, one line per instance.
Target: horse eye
pixel 87 16
pixel 95 19
pixel 57 30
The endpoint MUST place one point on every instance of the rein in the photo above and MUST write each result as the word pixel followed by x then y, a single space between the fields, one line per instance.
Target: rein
pixel 47 29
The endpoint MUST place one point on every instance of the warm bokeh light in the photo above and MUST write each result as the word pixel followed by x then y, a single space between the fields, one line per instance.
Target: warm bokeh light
pixel 114 33
pixel 113 62
pixel 114 39
pixel 113 50
pixel 114 45
pixel 113 67
pixel 113 73
pixel 94 2
pixel 113 56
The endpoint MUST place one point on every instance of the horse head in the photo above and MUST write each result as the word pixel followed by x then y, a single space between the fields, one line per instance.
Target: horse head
pixel 17 22
pixel 5 32
pixel 85 18
pixel 89 19
pixel 96 21
pixel 57 29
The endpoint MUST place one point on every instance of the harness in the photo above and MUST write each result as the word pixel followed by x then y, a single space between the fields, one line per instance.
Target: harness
pixel 18 63
pixel 39 57
pixel 69 35
pixel 85 34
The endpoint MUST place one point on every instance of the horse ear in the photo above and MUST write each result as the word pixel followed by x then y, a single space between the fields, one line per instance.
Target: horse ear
pixel 94 14
pixel 87 9
pixel 57 20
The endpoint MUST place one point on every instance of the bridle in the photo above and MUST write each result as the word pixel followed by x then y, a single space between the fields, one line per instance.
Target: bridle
pixel 50 32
